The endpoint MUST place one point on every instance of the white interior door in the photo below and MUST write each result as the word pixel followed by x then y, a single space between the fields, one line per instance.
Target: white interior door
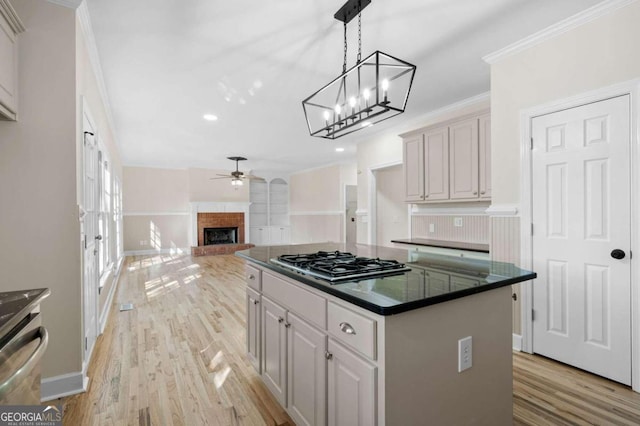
pixel 581 215
pixel 90 231
pixel 391 209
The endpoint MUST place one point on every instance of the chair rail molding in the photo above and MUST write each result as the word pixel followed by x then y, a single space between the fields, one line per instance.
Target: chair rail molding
pixel 502 210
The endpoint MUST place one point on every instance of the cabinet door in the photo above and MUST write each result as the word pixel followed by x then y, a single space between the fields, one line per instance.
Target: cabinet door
pixel 307 372
pixel 352 393
pixel 462 283
pixel 260 235
pixel 436 160
pixel 253 328
pixel 484 124
pixel 436 283
pixel 463 151
pixel 274 349
pixel 413 160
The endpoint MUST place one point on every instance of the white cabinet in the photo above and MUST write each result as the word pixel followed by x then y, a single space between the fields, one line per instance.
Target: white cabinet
pixel 274 349
pixel 463 151
pixel 10 27
pixel 269 212
pixel 307 372
pixel 278 235
pixel 351 388
pixel 484 142
pixel 436 160
pixel 413 160
pixel 253 328
pixel 448 163
pixel 259 235
pixel 294 363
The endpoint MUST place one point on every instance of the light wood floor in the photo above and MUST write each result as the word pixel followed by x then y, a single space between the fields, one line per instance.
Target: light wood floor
pixel 178 358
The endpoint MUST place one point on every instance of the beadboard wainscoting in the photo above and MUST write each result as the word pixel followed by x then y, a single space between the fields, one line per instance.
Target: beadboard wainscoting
pixel 316 227
pixel 505 247
pixel 474 229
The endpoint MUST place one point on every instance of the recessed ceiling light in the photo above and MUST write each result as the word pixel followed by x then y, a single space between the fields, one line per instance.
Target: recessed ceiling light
pixel 210 117
pixel 339 149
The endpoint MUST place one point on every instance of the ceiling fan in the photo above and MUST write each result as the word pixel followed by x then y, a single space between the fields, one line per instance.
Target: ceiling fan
pixel 237 176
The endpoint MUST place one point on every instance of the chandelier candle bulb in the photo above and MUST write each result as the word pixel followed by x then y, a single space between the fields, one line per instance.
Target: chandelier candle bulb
pixel 385 88
pixel 326 118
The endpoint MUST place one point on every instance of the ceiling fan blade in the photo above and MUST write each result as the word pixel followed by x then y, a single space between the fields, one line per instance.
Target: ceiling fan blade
pixel 218 174
pixel 223 177
pixel 253 177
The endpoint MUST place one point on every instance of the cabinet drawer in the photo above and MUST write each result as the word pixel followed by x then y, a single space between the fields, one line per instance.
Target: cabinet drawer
pixel 352 329
pixel 253 278
pixel 298 300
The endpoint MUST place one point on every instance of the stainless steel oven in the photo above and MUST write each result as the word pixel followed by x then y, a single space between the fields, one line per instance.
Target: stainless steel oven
pixel 23 341
pixel 20 364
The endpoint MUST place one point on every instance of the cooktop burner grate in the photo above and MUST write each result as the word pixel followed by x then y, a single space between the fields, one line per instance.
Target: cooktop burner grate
pixel 335 266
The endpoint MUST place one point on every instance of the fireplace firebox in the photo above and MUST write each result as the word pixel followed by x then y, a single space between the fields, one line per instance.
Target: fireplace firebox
pixel 226 235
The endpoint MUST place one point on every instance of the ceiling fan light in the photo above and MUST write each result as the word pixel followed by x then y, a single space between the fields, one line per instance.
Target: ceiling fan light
pixel 237 182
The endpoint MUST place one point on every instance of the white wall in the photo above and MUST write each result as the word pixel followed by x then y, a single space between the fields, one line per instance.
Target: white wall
pixel 594 55
pixel 316 199
pixel 156 202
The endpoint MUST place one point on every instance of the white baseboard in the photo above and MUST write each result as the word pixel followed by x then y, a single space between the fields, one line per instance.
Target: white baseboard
pixel 162 251
pixel 517 342
pixel 63 385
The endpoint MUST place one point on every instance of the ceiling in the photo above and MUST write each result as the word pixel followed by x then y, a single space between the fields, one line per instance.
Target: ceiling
pixel 250 63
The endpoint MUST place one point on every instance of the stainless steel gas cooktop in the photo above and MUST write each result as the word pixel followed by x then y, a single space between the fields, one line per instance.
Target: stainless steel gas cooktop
pixel 340 266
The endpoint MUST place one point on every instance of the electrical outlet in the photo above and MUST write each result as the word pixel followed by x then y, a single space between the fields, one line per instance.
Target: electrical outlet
pixel 143 243
pixel 432 227
pixel 457 221
pixel 465 354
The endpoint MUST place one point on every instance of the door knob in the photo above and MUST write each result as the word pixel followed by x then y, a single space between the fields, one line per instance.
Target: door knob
pixel 99 237
pixel 618 254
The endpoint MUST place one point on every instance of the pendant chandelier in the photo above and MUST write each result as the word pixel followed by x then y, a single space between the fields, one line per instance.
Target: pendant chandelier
pixel 375 89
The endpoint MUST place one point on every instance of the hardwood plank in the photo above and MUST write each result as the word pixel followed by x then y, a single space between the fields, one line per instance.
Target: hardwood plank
pixel 178 358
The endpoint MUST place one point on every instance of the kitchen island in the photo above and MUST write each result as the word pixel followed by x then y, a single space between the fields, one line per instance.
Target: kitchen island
pixel 386 350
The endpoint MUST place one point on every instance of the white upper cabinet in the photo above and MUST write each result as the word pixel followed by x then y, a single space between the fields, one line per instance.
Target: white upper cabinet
pixel 10 27
pixel 463 149
pixel 436 160
pixel 449 162
pixel 484 142
pixel 414 168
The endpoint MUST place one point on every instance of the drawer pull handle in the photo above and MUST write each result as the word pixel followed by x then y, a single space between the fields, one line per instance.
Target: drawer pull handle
pixel 255 302
pixel 287 324
pixel 345 327
pixel 280 320
pixel 252 277
pixel 328 355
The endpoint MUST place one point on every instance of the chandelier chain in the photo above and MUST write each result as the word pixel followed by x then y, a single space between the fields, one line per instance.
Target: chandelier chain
pixel 359 35
pixel 344 63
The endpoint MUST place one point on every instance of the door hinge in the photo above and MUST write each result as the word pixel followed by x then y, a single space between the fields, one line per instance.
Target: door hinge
pixel 85 343
pixel 85 241
pixel 531 146
pixel 533 315
pixel 532 229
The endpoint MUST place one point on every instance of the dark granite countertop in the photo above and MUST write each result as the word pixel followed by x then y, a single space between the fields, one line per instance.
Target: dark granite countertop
pixel 433 278
pixel 15 305
pixel 483 248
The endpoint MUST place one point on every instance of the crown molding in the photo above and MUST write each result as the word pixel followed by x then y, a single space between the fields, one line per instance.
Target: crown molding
pixel 71 4
pixel 581 18
pixel 9 13
pixel 84 18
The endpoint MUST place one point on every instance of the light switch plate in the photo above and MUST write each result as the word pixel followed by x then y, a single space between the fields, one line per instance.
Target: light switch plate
pixel 432 227
pixel 457 222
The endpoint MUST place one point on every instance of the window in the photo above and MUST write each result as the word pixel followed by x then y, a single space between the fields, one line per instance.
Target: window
pixel 104 215
pixel 117 216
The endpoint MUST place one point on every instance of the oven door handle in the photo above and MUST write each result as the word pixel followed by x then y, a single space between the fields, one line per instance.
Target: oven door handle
pixel 24 370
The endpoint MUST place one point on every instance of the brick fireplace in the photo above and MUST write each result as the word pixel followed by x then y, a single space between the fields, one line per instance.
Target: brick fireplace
pixel 212 215
pixel 220 220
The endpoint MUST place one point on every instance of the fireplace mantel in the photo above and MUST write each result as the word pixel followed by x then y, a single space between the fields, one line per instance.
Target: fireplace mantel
pixel 217 207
